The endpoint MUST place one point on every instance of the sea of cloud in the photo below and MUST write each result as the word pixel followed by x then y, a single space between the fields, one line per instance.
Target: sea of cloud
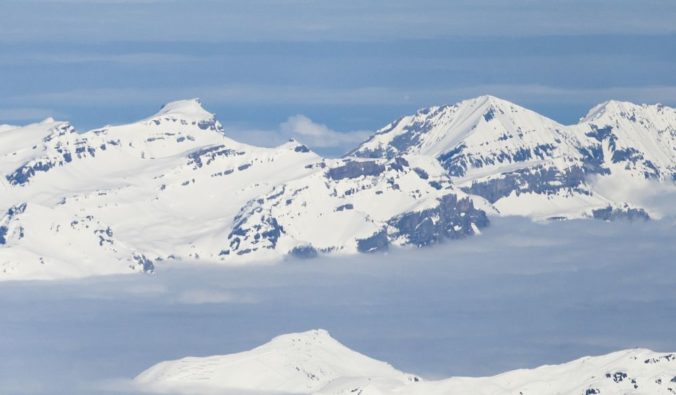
pixel 520 295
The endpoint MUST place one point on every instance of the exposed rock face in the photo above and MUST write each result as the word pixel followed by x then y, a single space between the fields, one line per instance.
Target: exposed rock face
pixel 354 205
pixel 611 214
pixel 453 218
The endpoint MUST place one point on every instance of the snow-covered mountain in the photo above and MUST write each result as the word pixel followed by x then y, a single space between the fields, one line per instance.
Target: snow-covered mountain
pixel 295 363
pixel 526 164
pixel 174 186
pixel 314 363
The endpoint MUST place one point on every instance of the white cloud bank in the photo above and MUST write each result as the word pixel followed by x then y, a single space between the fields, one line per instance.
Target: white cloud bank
pixel 520 295
pixel 208 296
pixel 316 134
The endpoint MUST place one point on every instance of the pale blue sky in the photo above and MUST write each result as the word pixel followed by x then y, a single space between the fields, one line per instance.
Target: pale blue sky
pixel 350 65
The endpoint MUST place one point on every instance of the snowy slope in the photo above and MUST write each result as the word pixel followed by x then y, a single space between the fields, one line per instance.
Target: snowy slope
pixel 635 371
pixel 117 198
pixel 4 127
pixel 174 186
pixel 526 164
pixel 314 363
pixel 353 205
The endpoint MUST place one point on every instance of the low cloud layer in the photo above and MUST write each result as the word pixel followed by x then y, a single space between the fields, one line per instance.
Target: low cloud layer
pixel 519 295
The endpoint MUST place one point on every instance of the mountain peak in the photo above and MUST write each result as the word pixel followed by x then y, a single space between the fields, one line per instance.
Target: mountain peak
pixel 608 107
pixel 312 336
pixel 629 110
pixel 294 145
pixel 484 102
pixel 489 99
pixel 437 130
pixel 187 109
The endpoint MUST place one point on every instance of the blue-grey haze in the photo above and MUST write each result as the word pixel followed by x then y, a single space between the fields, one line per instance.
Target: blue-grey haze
pixel 520 295
pixel 351 65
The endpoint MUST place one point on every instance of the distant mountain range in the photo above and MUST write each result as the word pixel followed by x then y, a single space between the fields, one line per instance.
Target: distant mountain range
pixel 314 363
pixel 174 187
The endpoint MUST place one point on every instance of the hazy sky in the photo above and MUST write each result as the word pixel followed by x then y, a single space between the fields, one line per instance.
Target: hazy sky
pixel 351 66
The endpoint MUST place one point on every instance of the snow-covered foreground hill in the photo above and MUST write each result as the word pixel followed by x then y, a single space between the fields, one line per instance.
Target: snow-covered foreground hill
pixel 173 186
pixel 297 363
pixel 314 363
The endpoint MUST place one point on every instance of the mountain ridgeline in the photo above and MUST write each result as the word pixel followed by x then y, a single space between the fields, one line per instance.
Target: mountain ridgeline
pixel 174 186
pixel 526 164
